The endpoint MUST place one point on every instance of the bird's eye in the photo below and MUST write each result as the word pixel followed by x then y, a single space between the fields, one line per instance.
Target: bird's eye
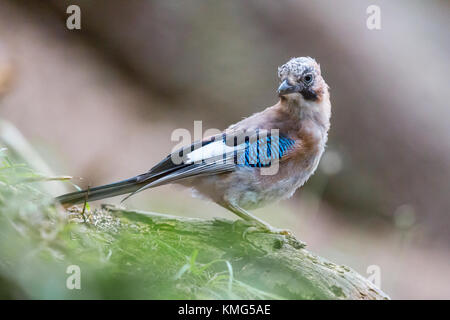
pixel 308 78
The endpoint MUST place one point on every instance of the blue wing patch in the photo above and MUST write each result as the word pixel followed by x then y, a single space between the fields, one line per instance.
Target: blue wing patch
pixel 261 152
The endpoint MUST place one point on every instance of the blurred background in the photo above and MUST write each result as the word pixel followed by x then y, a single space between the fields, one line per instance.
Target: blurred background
pixel 100 104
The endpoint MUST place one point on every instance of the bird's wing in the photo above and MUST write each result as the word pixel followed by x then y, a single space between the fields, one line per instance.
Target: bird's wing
pixel 219 154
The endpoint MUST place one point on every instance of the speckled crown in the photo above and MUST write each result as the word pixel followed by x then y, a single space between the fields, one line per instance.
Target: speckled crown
pixel 297 66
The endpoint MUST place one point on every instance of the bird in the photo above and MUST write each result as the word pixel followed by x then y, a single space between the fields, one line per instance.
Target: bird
pixel 257 161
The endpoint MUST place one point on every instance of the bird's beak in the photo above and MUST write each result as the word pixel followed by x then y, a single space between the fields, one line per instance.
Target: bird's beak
pixel 286 88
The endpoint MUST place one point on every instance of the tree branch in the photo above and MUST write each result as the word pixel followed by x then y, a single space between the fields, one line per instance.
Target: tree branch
pixel 275 264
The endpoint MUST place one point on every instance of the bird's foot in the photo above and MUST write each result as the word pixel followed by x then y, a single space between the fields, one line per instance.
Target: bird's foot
pixel 284 232
pixel 269 229
pixel 257 226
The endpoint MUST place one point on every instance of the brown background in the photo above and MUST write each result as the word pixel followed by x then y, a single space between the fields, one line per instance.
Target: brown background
pixel 101 103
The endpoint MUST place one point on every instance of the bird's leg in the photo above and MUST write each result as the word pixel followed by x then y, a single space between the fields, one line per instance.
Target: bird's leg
pixel 247 216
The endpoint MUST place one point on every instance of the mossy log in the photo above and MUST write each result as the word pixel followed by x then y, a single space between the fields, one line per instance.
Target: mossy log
pixel 275 264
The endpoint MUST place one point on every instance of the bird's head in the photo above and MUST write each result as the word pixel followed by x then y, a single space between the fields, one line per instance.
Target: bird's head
pixel 301 80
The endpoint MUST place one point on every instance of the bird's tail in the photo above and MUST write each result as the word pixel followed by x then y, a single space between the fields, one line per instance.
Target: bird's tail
pixel 101 192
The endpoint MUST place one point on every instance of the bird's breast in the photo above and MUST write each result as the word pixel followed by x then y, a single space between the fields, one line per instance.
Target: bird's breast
pixel 256 187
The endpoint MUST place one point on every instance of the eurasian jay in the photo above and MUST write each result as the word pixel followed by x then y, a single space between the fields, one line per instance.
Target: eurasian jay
pixel 259 160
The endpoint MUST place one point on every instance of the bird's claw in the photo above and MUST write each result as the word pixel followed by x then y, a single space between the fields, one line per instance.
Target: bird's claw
pixel 257 227
pixel 248 231
pixel 283 232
